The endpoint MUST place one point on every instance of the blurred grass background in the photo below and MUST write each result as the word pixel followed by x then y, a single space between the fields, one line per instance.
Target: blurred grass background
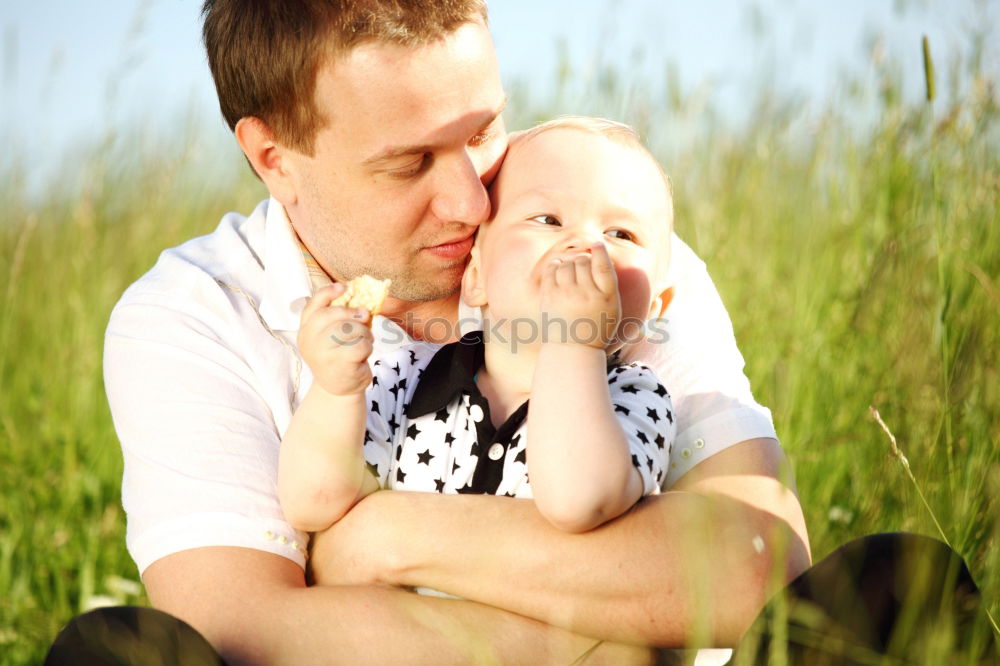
pixel 857 247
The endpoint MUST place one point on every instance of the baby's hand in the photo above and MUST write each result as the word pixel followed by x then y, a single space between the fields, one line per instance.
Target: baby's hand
pixel 336 342
pixel 580 299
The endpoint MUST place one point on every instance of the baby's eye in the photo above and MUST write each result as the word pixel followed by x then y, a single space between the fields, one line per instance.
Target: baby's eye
pixel 548 220
pixel 480 139
pixel 622 234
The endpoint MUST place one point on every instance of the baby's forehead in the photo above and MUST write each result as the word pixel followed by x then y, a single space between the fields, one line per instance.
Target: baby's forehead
pixel 552 143
pixel 586 152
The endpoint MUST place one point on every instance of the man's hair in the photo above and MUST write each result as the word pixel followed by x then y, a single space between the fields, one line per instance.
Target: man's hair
pixel 610 129
pixel 265 54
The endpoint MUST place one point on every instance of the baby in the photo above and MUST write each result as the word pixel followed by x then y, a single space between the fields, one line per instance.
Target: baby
pixel 567 271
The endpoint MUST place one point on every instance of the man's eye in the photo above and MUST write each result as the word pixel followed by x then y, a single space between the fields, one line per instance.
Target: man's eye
pixel 412 169
pixel 548 220
pixel 622 234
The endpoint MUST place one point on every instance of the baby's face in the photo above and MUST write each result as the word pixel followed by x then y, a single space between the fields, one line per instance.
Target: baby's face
pixel 557 194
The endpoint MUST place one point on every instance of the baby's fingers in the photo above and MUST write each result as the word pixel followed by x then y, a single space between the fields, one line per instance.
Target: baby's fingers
pixel 352 341
pixel 553 275
pixel 323 298
pixel 358 349
pixel 324 318
pixel 602 270
pixel 346 332
pixel 565 272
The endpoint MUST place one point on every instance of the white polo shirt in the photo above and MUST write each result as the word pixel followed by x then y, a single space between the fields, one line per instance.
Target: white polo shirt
pixel 203 376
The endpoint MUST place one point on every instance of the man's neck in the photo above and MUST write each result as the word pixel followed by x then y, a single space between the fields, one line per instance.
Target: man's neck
pixel 433 321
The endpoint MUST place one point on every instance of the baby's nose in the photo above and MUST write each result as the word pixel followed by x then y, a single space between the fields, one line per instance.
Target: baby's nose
pixel 582 241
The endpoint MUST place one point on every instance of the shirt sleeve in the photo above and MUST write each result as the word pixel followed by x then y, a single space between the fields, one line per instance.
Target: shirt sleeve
pixel 199 442
pixel 694 353
pixel 645 413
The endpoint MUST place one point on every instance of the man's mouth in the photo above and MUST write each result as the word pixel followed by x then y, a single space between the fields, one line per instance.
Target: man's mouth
pixel 454 249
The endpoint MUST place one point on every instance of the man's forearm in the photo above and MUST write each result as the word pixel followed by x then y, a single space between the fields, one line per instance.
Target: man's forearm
pixel 255 609
pixel 380 625
pixel 685 566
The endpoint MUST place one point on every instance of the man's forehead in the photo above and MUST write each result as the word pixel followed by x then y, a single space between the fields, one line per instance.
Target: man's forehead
pixel 367 62
pixel 396 99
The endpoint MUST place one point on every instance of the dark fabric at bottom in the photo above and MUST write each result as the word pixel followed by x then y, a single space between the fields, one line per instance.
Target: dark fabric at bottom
pixel 130 635
pixel 885 598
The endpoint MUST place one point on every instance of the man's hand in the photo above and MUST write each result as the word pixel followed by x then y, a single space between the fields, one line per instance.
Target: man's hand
pixel 583 288
pixel 336 343
pixel 354 551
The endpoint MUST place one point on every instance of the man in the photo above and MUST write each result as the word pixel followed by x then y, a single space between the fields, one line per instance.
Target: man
pixel 375 126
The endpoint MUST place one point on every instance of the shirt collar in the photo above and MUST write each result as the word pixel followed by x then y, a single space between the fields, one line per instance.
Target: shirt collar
pixel 287 283
pixel 451 371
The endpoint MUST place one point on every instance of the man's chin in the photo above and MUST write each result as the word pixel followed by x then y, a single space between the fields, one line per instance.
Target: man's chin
pixel 435 284
pixel 424 292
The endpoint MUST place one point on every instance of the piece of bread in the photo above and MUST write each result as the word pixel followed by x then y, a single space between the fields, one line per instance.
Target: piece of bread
pixel 364 292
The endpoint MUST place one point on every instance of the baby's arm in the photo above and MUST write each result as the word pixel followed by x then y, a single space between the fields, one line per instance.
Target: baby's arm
pixel 321 467
pixel 579 461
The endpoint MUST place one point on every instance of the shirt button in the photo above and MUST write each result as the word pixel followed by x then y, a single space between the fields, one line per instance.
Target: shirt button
pixel 476 412
pixel 496 451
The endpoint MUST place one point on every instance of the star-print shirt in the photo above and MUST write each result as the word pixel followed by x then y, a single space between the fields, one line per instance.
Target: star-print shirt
pixel 429 427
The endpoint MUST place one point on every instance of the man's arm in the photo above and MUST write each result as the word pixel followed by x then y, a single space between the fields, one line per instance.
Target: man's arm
pixel 254 608
pixel 693 564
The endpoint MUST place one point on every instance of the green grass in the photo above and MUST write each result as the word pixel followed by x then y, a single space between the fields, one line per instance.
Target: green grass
pixel 859 262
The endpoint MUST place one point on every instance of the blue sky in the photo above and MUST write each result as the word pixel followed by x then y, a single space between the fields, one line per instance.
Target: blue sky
pixel 74 70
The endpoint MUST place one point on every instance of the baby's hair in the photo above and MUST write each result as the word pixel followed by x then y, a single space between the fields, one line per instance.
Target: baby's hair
pixel 609 129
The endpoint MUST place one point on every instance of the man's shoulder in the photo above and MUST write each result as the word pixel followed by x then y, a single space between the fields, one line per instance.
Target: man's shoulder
pixel 185 275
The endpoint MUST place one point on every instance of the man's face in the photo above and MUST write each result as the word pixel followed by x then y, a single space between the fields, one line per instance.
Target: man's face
pixel 396 187
pixel 560 192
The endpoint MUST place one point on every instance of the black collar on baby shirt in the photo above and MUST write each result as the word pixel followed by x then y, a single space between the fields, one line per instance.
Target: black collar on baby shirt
pixel 452 371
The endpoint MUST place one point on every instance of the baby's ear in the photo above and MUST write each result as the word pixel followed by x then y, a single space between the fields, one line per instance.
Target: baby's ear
pixel 661 303
pixel 473 291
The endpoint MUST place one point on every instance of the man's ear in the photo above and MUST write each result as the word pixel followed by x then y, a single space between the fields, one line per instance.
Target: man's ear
pixel 660 304
pixel 267 157
pixel 473 290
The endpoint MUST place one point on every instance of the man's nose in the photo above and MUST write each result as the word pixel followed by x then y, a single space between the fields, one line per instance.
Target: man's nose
pixel 461 195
